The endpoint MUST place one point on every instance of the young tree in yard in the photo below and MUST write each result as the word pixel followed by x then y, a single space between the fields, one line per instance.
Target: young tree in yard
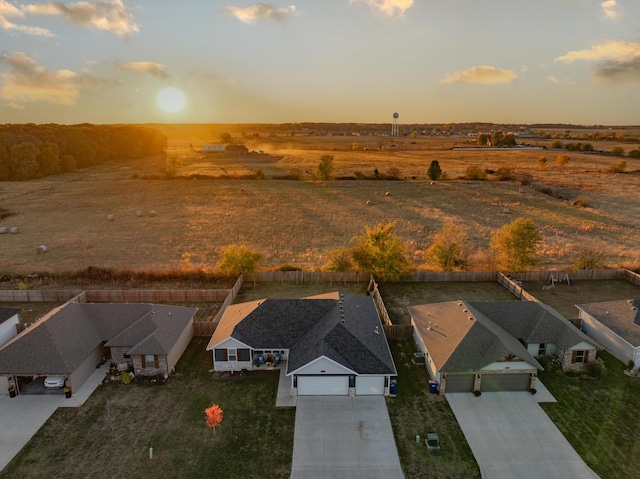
pixel 324 171
pixel 214 417
pixel 381 252
pixel 449 248
pixel 434 172
pixel 236 259
pixel 590 259
pixel 339 260
pixel 515 244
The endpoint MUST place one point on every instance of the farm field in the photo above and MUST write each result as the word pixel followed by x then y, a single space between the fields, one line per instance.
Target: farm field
pixel 299 221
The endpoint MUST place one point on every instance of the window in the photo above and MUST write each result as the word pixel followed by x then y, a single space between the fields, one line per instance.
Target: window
pixel 542 349
pixel 579 357
pixel 232 354
pixel 244 355
pixel 149 361
pixel 220 354
pixel 125 352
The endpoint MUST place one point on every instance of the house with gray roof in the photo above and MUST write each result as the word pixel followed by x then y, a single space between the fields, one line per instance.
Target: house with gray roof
pixel 73 338
pixel 9 320
pixel 492 346
pixel 615 325
pixel 330 344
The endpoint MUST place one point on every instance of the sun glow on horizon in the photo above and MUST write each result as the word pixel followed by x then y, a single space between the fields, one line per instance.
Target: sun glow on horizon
pixel 171 99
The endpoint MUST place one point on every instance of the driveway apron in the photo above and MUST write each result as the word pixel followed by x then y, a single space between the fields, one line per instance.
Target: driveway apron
pixel 512 437
pixel 344 437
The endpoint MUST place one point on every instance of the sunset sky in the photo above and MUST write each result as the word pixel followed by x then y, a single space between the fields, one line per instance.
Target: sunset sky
pixel 520 61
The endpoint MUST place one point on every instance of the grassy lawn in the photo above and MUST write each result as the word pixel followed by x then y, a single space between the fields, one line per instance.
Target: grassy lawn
pixel 416 412
pixel 599 418
pixel 111 434
pixel 397 296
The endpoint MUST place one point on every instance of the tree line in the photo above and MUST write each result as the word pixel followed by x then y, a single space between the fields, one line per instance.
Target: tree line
pixel 29 151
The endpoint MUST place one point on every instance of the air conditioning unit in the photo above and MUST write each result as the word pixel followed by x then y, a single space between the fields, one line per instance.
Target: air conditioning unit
pixel 418 358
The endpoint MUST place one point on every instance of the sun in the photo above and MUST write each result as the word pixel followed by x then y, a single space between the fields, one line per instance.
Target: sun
pixel 171 99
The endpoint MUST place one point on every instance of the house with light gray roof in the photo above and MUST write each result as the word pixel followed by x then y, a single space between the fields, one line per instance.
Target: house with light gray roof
pixel 492 346
pixel 73 338
pixel 331 344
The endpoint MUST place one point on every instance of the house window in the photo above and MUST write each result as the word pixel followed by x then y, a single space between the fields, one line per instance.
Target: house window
pixel 244 354
pixel 125 352
pixel 579 357
pixel 542 349
pixel 233 354
pixel 149 361
pixel 220 354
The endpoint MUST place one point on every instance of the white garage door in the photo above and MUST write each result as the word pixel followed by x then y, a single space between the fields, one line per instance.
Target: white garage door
pixel 323 385
pixel 369 385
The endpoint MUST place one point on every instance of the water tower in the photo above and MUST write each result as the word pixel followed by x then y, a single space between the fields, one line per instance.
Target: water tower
pixel 394 125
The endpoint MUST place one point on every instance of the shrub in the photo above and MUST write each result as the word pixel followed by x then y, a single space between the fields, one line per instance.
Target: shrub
pixel 634 154
pixel 554 363
pixel 474 173
pixel 557 144
pixel 581 202
pixel 590 259
pixel 324 171
pixel 434 172
pixel 617 151
pixel 543 163
pixel 524 178
pixel 505 173
pixel 617 167
pixel 125 377
pixel 288 267
pixel 630 365
pixel 596 368
pixel 259 174
pixel 584 376
pixel 562 160
pixel 393 173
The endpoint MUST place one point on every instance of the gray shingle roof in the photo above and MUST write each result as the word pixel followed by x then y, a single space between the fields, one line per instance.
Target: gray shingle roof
pixel 6 313
pixel 63 339
pixel 619 316
pixel 313 327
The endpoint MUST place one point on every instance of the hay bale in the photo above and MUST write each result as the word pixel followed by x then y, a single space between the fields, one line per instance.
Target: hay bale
pixel 42 249
pixel 388 193
pixel 139 213
pixel 14 230
pixel 505 210
pixel 111 217
pixel 3 230
pixel 152 213
pixel 368 203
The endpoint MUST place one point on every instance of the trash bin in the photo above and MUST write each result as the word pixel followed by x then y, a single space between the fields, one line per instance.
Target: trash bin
pixel 433 387
pixel 393 386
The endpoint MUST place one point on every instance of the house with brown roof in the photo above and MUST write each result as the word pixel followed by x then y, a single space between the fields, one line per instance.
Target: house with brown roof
pixel 331 344
pixel 615 325
pixel 492 346
pixel 72 339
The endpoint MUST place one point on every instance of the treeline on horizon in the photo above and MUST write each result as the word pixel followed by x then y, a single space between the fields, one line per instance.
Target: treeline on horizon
pixel 30 151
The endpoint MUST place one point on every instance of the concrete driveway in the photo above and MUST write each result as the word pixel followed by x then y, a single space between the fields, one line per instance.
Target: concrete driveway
pixel 344 437
pixel 512 437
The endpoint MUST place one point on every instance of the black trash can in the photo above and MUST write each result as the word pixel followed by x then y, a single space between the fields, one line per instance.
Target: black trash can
pixel 433 387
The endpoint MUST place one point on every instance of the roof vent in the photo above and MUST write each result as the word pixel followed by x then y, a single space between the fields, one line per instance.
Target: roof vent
pixel 471 317
pixel 169 313
pixel 377 331
pixel 459 303
pixel 465 310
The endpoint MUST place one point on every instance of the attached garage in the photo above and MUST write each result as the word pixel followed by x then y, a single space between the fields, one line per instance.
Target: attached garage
pixel 505 382
pixel 323 385
pixel 369 385
pixel 459 383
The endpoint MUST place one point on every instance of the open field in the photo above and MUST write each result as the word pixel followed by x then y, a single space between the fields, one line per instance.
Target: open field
pixel 599 418
pixel 299 221
pixel 110 435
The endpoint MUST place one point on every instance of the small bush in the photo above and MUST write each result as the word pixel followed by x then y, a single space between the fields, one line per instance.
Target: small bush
pixel 259 174
pixel 505 173
pixel 543 162
pixel 596 369
pixel 557 144
pixel 631 365
pixel 524 178
pixel 617 167
pixel 581 202
pixel 393 173
pixel 288 267
pixel 554 363
pixel 125 377
pixel 617 151
pixel 590 259
pixel 634 154
pixel 474 173
pixel 584 376
pixel 559 373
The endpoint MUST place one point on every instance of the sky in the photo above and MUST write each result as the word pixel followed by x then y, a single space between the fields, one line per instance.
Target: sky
pixel 229 61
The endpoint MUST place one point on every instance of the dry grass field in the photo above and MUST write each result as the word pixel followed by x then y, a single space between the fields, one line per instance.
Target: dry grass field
pixel 299 221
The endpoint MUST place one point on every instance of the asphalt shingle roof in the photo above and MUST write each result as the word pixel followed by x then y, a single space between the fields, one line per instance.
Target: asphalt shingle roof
pixel 621 317
pixel 311 328
pixel 6 313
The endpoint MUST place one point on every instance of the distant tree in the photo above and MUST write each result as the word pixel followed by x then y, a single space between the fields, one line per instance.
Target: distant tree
pixel 381 252
pixel 213 417
pixel 634 153
pixel 617 151
pixel 49 159
pixel 590 259
pixel 617 167
pixel 324 171
pixel 505 173
pixel 482 139
pixel 236 259
pixel 225 138
pixel 339 260
pixel 510 140
pixel 68 163
pixel 434 172
pixel 516 243
pixel 172 164
pixel 562 160
pixel 449 249
pixel 543 162
pixel 24 161
pixel 496 139
pixel 414 134
pixel 354 146
pixel 556 144
pixel 474 173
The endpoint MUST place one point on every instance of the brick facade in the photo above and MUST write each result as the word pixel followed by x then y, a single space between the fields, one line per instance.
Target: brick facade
pixel 150 369
pixel 569 365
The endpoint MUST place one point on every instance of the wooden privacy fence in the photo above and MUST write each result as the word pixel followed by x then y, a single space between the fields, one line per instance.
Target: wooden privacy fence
pixel 37 295
pixel 204 328
pixel 576 275
pixel 157 296
pixel 454 276
pixel 373 291
pixel 515 289
pixel 306 277
pixel 398 331
pixel 229 299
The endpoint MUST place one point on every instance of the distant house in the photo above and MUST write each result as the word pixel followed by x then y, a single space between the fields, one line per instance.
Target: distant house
pixel 491 346
pixel 616 325
pixel 331 344
pixel 214 148
pixel 229 148
pixel 9 320
pixel 72 339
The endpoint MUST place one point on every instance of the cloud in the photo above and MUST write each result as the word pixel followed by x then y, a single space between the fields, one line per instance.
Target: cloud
pixel 387 7
pixel 261 11
pixel 482 74
pixel 155 69
pixel 557 81
pixel 8 10
pixel 109 15
pixel 618 60
pixel 610 8
pixel 29 82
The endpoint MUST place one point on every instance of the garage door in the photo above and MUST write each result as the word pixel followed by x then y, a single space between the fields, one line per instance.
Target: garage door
pixel 369 385
pixel 504 382
pixel 459 383
pixel 323 385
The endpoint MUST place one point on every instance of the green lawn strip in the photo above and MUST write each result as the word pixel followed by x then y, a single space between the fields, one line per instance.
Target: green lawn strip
pixel 599 418
pixel 110 435
pixel 416 412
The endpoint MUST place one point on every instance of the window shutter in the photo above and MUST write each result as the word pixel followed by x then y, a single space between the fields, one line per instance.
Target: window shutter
pixel 143 361
pixel 155 361
pixel 573 357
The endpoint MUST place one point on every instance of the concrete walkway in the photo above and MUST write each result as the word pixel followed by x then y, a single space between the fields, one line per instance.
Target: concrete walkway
pixel 512 437
pixel 344 437
pixel 22 416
